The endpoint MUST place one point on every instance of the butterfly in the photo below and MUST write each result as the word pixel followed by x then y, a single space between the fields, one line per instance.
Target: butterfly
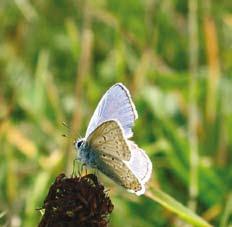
pixel 107 145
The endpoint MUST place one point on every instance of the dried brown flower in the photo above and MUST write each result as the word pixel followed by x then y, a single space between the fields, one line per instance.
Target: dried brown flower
pixel 76 201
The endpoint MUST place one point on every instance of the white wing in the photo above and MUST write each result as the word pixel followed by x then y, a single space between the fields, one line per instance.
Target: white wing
pixel 139 163
pixel 115 104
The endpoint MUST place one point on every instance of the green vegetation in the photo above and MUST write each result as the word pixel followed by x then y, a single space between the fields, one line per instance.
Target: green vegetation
pixel 57 58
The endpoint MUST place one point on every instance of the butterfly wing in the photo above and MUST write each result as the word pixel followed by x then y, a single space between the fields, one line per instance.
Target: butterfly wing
pixel 140 163
pixel 119 172
pixel 115 104
pixel 108 138
pixel 121 160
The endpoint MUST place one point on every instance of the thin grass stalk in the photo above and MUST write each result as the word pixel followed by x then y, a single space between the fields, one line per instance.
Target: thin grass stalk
pixel 82 73
pixel 192 108
pixel 172 205
pixel 83 66
pixel 211 43
pixel 213 78
pixel 227 214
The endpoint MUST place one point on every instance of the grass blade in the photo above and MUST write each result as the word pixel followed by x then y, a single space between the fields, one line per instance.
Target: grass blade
pixel 171 204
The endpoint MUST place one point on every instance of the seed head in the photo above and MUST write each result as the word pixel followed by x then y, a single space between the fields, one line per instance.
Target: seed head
pixel 76 201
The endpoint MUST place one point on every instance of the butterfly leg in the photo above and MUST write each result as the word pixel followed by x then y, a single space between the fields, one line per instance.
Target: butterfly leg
pixel 95 171
pixel 83 168
pixel 74 168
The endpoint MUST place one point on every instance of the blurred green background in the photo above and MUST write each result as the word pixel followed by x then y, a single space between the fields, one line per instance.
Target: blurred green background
pixel 58 57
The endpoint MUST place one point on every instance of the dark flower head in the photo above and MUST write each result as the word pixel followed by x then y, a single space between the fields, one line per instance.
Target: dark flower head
pixel 76 201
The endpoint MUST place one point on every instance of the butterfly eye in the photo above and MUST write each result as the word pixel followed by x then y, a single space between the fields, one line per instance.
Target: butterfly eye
pixel 79 143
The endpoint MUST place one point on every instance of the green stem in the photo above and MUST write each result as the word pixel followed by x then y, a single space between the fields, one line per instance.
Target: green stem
pixel 192 109
pixel 227 212
pixel 171 204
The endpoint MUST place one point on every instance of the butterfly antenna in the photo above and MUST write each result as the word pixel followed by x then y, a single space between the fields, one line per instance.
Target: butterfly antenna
pixel 65 125
pixel 69 136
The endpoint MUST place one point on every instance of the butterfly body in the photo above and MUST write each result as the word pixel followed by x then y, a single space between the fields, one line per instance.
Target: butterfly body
pixel 107 147
pixel 86 154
